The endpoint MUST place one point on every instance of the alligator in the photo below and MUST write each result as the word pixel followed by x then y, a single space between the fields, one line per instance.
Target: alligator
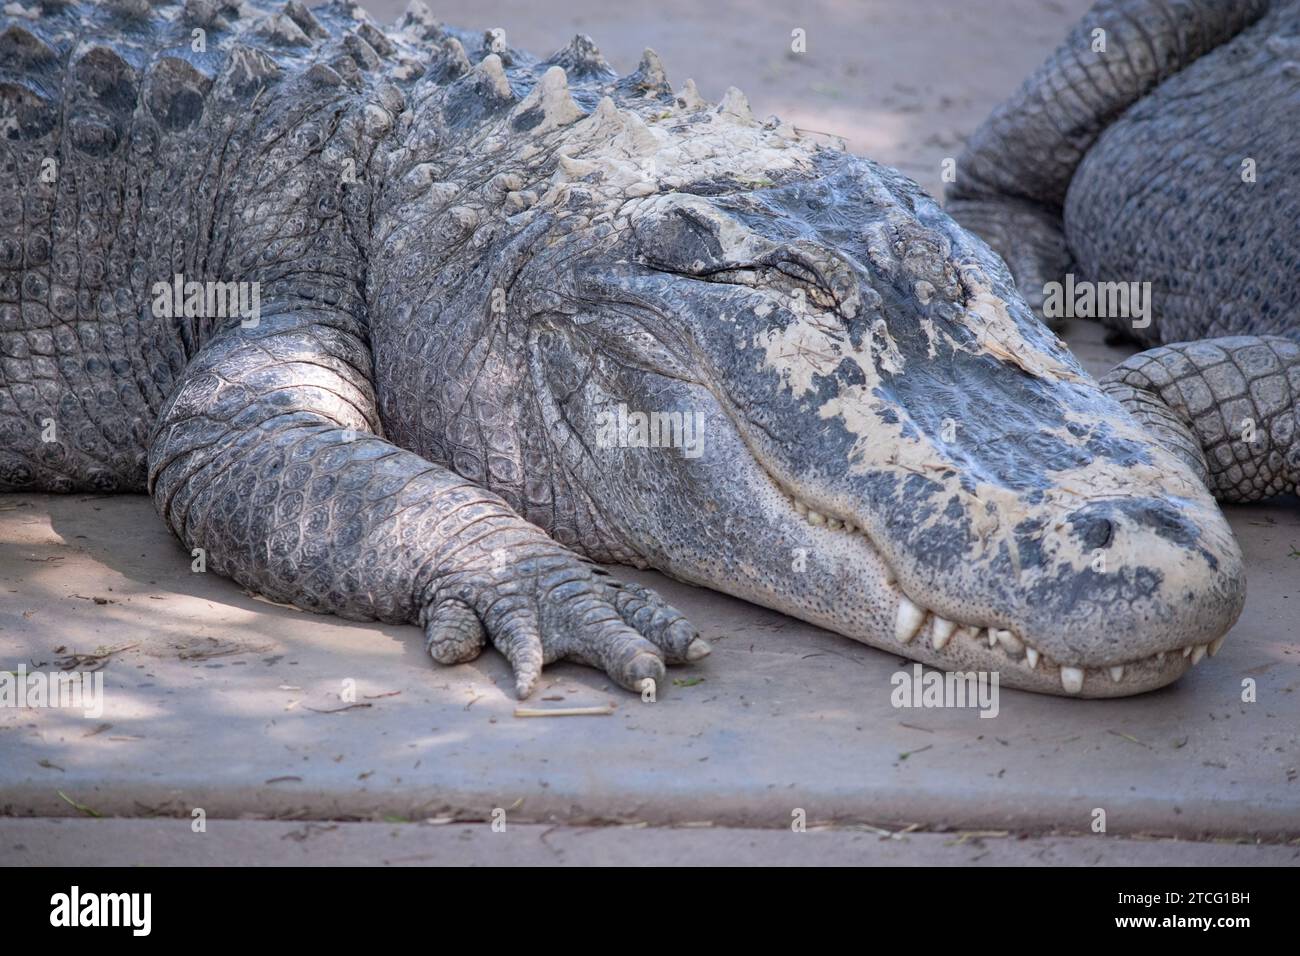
pixel 404 324
pixel 1160 144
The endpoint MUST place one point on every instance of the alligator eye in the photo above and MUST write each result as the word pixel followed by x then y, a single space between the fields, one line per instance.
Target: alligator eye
pixel 789 279
pixel 806 280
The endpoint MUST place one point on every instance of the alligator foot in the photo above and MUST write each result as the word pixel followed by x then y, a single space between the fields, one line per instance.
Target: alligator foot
pixel 555 606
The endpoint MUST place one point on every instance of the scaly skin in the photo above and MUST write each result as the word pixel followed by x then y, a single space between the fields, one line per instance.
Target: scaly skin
pixel 1205 393
pixel 1132 164
pixel 466 259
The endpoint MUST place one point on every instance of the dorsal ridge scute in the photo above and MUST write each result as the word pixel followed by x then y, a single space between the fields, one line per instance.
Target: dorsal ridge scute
pixel 548 105
pixel 581 60
pixel 650 77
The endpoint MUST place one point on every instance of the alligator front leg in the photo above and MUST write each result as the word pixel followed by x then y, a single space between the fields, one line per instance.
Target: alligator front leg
pixel 269 457
pixel 1227 406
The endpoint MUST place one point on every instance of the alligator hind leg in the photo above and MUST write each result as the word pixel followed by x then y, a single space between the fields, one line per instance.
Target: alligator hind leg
pixel 1016 170
pixel 1028 237
pixel 1227 406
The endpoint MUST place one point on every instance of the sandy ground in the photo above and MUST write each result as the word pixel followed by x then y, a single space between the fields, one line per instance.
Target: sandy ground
pixel 218 702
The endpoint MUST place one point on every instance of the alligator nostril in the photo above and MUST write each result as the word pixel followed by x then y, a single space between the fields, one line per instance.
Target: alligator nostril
pixel 1096 532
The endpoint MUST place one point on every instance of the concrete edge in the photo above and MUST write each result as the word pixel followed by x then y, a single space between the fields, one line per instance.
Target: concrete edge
pixel 126 842
pixel 1039 812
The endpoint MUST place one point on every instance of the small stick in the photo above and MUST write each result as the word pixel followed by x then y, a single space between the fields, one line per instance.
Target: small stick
pixel 603 711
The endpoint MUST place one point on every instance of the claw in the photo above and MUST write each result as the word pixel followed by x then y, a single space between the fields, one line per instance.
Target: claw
pixel 698 648
pixel 454 634
pixel 644 667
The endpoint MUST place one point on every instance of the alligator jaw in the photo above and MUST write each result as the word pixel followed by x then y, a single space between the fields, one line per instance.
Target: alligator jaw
pixel 921 634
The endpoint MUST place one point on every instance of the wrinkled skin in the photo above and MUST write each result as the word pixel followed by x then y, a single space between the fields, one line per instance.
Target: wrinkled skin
pixel 1171 158
pixel 416 427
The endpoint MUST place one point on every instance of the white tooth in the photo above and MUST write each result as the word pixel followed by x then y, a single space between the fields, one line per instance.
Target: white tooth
pixel 1117 673
pixel 802 508
pixel 1187 652
pixel 992 636
pixel 850 528
pixel 1198 652
pixel 909 620
pixel 1160 657
pixel 1031 655
pixel 816 517
pixel 1217 644
pixel 1072 679
pixel 835 524
pixel 942 631
pixel 1009 641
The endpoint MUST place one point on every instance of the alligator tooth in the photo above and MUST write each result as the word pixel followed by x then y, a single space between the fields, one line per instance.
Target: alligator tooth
pixel 1031 655
pixel 943 629
pixel 1072 679
pixel 801 508
pixel 1117 673
pixel 816 517
pixel 1160 657
pixel 835 524
pixel 1187 651
pixel 909 620
pixel 1198 652
pixel 850 528
pixel 1011 643
pixel 1217 644
pixel 992 636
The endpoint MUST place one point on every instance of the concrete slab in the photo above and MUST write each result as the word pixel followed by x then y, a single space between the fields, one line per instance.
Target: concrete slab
pixel 222 702
pixel 79 843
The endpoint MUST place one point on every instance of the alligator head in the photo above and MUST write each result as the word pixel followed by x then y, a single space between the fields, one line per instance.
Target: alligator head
pixel 706 345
